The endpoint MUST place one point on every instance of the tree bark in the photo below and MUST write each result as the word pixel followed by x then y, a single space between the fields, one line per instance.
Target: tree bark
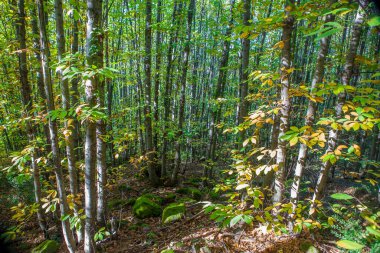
pixel 244 104
pixel 285 105
pixel 68 122
pixel 333 133
pixel 182 102
pixel 45 54
pixel 154 180
pixel 27 102
pixel 310 114
pixel 94 56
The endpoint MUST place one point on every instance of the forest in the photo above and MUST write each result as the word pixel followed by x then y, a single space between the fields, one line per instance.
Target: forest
pixel 195 126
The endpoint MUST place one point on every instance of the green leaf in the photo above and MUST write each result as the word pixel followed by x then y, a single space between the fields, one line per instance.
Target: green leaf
pixel 235 220
pixel 373 231
pixel 347 244
pixel 375 21
pixel 341 196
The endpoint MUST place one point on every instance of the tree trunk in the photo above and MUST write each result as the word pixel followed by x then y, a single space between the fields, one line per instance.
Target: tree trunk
pixel 27 102
pixel 243 107
pixel 45 54
pixel 310 113
pixel 168 88
pixel 69 126
pixel 285 105
pixel 94 56
pixel 333 134
pixel 157 76
pixel 181 112
pixel 154 180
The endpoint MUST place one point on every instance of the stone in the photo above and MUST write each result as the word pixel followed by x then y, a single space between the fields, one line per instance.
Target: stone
pixel 145 208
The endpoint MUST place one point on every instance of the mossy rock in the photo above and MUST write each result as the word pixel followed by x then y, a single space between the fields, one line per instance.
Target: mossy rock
pixel 154 198
pixel 195 181
pixel 193 192
pixel 173 212
pixel 48 246
pixel 131 201
pixel 169 198
pixel 145 207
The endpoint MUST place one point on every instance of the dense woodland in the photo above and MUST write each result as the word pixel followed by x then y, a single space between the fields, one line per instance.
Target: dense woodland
pixel 134 125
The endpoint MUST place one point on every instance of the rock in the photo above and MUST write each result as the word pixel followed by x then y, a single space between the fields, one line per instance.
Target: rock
pixel 173 212
pixel 145 207
pixel 154 198
pixel 48 246
pixel 193 192
pixel 186 200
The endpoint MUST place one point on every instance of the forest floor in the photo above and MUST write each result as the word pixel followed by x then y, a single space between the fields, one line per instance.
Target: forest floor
pixel 195 233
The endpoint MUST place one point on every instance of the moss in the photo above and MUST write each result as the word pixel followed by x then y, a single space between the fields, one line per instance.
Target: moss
pixel 186 200
pixel 154 198
pixel 145 207
pixel 192 192
pixel 173 212
pixel 48 246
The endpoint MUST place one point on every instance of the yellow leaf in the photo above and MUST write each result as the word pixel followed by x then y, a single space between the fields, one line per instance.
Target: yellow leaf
pixel 293 141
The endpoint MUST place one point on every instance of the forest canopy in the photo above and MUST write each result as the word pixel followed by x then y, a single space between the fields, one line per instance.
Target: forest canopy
pixel 134 125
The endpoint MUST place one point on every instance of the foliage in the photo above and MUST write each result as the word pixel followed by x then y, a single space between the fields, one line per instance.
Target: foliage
pixel 48 246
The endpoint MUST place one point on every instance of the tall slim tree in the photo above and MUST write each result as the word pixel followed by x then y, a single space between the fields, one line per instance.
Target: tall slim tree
pixel 310 113
pixel 244 104
pixel 181 110
pixel 45 62
pixel 94 57
pixel 69 122
pixel 148 96
pixel 287 29
pixel 27 102
pixel 334 133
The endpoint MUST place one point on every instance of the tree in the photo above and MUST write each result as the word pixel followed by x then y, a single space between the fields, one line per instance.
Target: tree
pixel 334 133
pixel 148 97
pixel 27 102
pixel 181 110
pixel 45 62
pixel 94 57
pixel 287 30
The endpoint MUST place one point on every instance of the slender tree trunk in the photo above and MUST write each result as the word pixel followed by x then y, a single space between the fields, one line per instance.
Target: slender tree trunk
pixel 154 180
pixel 69 122
pixel 101 146
pixel 181 112
pixel 243 107
pixel 157 76
pixel 318 78
pixel 285 105
pixel 219 92
pixel 168 88
pixel 333 133
pixel 27 102
pixel 40 80
pixel 45 54
pixel 94 56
